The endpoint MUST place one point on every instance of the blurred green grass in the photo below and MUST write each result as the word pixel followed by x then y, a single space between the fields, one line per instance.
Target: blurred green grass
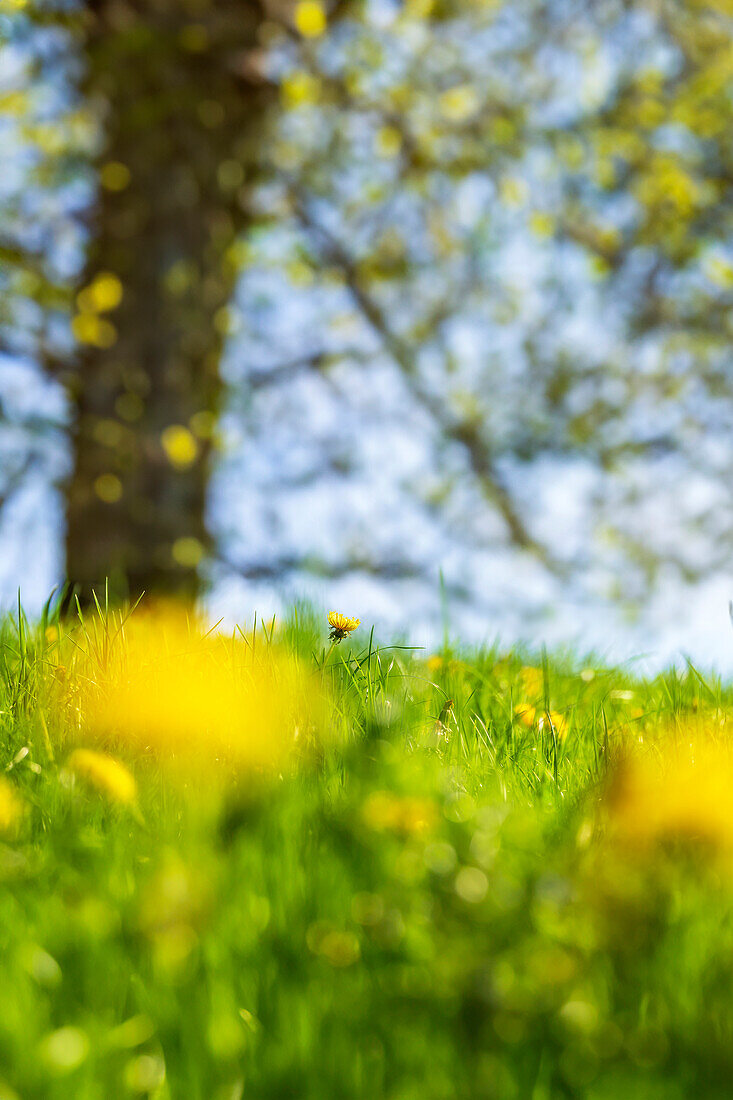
pixel 430 909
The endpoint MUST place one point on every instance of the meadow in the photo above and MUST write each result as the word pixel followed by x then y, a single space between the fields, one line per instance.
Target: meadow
pixel 273 864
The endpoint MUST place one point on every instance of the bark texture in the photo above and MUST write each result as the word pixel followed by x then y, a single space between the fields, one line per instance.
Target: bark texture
pixel 184 112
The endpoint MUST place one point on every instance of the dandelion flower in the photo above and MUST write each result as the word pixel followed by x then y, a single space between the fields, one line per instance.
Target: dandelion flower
pixel 677 794
pixel 525 714
pixel 341 625
pixel 105 774
pixel 558 722
pixel 199 699
pixel 531 679
pixel 11 807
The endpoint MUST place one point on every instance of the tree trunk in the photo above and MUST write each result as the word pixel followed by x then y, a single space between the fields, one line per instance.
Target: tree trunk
pixel 183 112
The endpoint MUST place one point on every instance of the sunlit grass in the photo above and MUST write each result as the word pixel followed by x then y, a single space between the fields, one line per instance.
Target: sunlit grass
pixel 269 863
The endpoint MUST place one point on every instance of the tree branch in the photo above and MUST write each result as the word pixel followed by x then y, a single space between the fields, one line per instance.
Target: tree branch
pixel 481 460
pixel 275 569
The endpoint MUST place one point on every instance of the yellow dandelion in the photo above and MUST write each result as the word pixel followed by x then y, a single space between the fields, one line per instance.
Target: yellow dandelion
pixel 531 679
pixel 408 815
pixel 11 807
pixel 525 714
pixel 105 774
pixel 680 794
pixel 558 722
pixel 195 697
pixel 310 18
pixel 341 625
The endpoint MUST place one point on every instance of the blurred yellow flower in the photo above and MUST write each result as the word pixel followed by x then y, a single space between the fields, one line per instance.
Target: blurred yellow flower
pixel 682 793
pixel 105 774
pixel 12 807
pixel 199 699
pixel 557 721
pixel 531 679
pixel 341 625
pixel 525 714
pixel 406 814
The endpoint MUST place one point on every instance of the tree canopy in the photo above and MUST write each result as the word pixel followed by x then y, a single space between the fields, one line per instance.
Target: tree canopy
pixel 499 231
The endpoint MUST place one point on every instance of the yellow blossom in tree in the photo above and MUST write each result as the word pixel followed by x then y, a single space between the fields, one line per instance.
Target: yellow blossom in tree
pixel 103 293
pixel 719 271
pixel 341 625
pixel 299 88
pixel 419 9
pixel 104 774
pixel 388 141
pixel 542 223
pixel 88 328
pixel 459 103
pixel 310 18
pixel 180 446
pixel 512 191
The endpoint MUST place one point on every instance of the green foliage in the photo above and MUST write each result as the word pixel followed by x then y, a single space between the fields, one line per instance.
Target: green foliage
pixel 591 138
pixel 426 911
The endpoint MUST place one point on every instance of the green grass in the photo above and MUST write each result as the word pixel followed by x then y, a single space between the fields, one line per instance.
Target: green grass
pixel 304 937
